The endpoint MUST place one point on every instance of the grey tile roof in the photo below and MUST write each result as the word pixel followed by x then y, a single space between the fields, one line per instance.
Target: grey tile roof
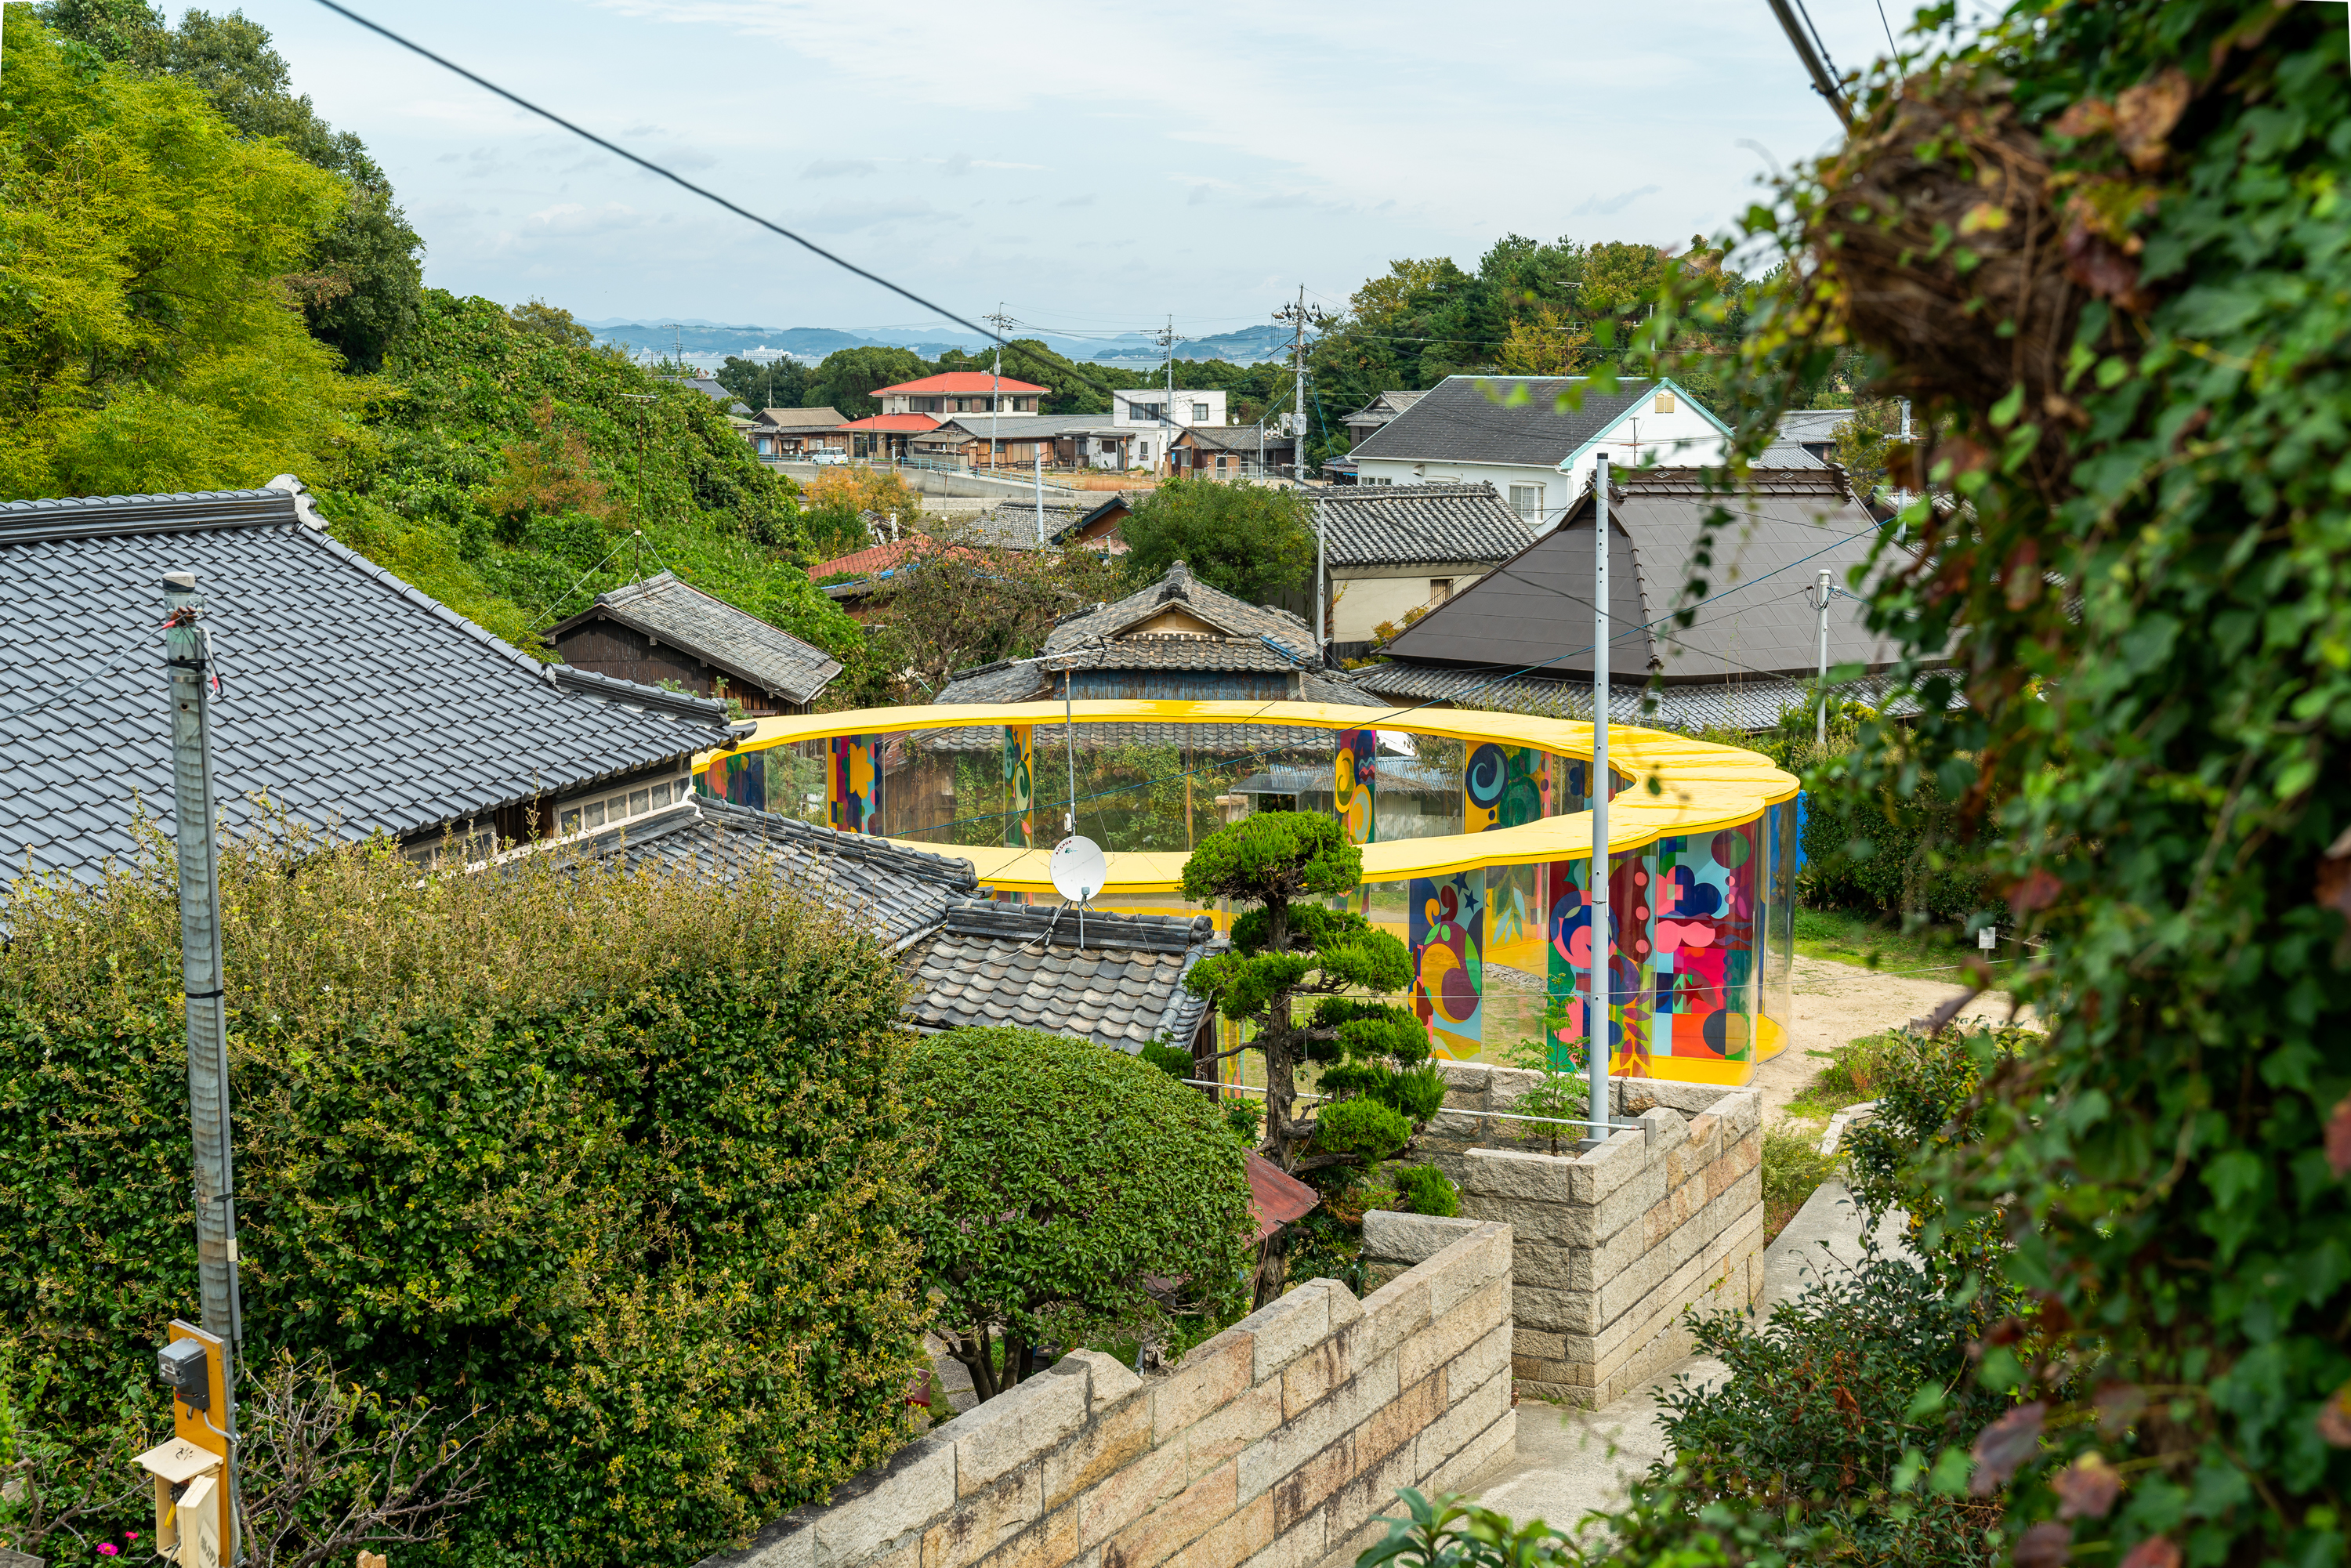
pixel 1021 966
pixel 1749 705
pixel 1233 437
pixel 1786 524
pixel 1178 587
pixel 1405 525
pixel 1457 421
pixel 353 700
pixel 1812 423
pixel 716 632
pixel 798 419
pixel 892 891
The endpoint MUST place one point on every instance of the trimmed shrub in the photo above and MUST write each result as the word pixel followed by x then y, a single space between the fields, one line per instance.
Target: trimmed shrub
pixel 1084 1196
pixel 615 1160
pixel 1425 1189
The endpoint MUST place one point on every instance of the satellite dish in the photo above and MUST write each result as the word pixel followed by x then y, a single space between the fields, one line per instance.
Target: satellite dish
pixel 1080 868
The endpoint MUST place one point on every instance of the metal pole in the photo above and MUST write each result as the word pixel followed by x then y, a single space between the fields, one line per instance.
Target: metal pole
pixel 1037 451
pixel 1595 1007
pixel 1298 452
pixel 1820 687
pixel 1322 571
pixel 187 653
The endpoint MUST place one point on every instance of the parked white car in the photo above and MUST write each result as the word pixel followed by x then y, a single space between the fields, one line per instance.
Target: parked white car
pixel 828 456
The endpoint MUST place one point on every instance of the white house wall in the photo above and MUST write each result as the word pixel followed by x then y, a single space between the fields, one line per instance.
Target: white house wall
pixel 1360 604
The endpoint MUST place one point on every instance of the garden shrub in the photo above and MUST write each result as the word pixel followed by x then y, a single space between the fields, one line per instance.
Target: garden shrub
pixel 614 1160
pixel 1425 1189
pixel 1083 1196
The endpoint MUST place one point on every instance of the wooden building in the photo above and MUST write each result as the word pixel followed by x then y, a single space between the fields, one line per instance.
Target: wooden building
pixel 663 629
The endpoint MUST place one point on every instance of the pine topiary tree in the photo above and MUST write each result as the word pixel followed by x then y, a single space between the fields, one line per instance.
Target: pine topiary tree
pixel 1374 1055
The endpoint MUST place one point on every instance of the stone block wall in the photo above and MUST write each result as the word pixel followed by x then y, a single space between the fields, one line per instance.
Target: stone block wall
pixel 1273 1444
pixel 1613 1245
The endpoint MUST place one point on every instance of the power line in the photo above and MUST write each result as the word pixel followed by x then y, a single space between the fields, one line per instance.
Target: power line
pixel 650 167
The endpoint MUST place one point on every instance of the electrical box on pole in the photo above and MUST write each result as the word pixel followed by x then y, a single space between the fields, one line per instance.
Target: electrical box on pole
pixel 194 1523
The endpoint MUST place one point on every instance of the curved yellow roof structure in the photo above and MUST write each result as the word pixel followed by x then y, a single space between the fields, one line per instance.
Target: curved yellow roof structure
pixel 1679 786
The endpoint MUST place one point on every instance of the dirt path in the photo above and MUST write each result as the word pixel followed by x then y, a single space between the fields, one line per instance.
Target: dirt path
pixel 1839 1002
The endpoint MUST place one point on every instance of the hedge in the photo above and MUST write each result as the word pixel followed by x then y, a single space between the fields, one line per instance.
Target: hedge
pixel 616 1159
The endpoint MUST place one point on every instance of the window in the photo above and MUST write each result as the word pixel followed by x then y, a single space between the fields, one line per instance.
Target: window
pixel 1221 462
pixel 1143 451
pixel 610 810
pixel 1441 589
pixel 1200 414
pixel 1150 412
pixel 1665 402
pixel 1527 501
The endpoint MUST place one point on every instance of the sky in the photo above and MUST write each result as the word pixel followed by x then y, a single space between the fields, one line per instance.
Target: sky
pixel 1087 169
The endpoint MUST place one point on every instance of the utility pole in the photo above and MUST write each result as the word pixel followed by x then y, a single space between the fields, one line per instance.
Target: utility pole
pixel 1821 688
pixel 1037 450
pixel 1296 316
pixel 1167 396
pixel 1002 323
pixel 187 652
pixel 1602 935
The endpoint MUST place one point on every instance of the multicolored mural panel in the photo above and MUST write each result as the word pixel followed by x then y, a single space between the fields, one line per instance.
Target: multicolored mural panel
pixel 1447 924
pixel 1704 970
pixel 1631 919
pixel 1019 784
pixel 734 775
pixel 1354 774
pixel 1501 786
pixel 855 795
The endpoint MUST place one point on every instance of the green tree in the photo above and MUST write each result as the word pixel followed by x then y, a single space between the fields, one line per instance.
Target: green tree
pixel 360 284
pixel 1374 1055
pixel 846 379
pixel 1074 388
pixel 2144 741
pixel 536 316
pixel 1082 1196
pixel 147 343
pixel 1254 541
pixel 953 600
pixel 779 382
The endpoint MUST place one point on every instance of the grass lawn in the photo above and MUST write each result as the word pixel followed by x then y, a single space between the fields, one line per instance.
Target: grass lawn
pixel 1869 942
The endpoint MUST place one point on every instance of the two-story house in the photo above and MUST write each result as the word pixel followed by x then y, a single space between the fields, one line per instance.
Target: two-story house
pixel 1535 440
pixel 1155 417
pixel 961 391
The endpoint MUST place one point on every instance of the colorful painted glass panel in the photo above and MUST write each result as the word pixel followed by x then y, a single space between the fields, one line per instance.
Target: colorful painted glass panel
pixel 855 795
pixel 737 777
pixel 1355 775
pixel 1019 784
pixel 1501 786
pixel 1569 958
pixel 1704 968
pixel 1449 968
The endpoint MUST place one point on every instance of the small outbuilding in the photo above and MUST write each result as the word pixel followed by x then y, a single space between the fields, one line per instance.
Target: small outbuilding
pixel 665 628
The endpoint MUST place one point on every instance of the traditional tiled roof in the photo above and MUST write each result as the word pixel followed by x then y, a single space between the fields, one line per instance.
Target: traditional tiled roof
pixel 1457 421
pixel 798 419
pixel 1410 525
pixel 895 893
pixel 1786 526
pixel 963 384
pixel 1021 965
pixel 1751 705
pixel 1179 588
pixel 355 702
pixel 734 640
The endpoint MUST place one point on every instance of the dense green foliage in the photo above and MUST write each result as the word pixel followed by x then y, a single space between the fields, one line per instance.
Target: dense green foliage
pixel 1254 542
pixel 360 283
pixel 846 380
pixel 1425 1189
pixel 2102 250
pixel 616 1161
pixel 148 340
pixel 1083 1196
pixel 523 471
pixel 780 382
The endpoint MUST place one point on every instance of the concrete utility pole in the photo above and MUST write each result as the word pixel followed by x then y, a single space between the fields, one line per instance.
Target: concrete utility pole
pixel 1002 323
pixel 1168 408
pixel 1821 688
pixel 1037 451
pixel 1298 452
pixel 1603 937
pixel 187 653
pixel 1321 580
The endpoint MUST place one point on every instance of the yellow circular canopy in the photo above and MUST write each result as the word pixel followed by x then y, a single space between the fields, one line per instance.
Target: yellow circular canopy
pixel 1679 786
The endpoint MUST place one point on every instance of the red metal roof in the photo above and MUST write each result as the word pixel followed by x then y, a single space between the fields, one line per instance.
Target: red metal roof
pixel 1276 1197
pixel 873 558
pixel 962 382
pixel 914 422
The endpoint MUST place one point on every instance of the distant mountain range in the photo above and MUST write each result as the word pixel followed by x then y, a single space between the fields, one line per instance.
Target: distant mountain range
pixel 699 340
